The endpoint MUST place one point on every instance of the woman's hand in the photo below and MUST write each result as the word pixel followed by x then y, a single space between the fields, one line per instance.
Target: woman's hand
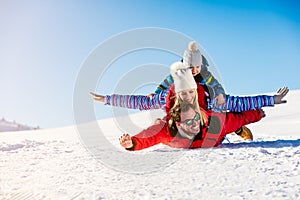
pixel 281 92
pixel 97 97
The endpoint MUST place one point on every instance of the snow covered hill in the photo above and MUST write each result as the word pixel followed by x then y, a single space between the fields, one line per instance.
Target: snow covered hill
pixel 55 164
pixel 6 126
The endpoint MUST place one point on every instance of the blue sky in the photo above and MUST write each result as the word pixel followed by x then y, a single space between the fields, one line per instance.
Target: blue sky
pixel 254 44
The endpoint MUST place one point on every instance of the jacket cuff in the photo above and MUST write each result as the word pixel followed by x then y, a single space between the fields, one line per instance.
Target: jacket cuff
pixel 107 100
pixel 131 148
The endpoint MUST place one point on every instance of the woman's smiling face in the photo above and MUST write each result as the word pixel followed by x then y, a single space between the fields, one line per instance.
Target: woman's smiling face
pixel 188 95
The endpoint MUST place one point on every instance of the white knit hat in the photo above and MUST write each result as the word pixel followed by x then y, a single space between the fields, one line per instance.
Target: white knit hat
pixel 192 56
pixel 183 78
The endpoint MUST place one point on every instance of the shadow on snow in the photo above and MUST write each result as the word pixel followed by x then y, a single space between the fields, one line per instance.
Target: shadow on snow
pixel 264 144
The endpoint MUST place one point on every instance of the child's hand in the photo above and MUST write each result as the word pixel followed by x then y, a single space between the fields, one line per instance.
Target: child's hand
pixel 220 99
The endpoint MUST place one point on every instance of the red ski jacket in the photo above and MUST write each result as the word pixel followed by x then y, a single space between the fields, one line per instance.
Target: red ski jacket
pixel 211 134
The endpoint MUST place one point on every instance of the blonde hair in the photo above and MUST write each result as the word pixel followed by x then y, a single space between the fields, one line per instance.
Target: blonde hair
pixel 175 115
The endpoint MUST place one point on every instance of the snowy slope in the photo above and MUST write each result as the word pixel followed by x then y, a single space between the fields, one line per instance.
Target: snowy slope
pixel 55 164
pixel 6 126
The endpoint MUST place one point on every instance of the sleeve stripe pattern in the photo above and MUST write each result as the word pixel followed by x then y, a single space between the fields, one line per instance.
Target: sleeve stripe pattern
pixel 140 102
pixel 240 104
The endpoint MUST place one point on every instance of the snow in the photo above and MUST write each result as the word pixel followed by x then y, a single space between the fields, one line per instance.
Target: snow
pixel 6 126
pixel 58 164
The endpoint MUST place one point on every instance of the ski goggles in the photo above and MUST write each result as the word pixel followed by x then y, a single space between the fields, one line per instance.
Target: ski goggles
pixel 189 122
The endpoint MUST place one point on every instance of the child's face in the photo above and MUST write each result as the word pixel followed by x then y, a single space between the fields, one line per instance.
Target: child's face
pixel 188 96
pixel 195 70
